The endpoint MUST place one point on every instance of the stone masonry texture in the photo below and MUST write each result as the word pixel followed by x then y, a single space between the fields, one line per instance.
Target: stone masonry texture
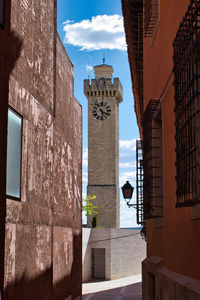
pixel 103 150
pixel 43 229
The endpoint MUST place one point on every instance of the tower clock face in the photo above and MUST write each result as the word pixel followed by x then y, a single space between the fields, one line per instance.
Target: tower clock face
pixel 101 110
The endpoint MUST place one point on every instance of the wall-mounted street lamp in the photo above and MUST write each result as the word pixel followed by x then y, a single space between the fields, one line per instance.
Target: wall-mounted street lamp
pixel 127 191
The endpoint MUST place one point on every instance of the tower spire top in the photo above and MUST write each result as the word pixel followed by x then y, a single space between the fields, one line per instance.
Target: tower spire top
pixel 104 60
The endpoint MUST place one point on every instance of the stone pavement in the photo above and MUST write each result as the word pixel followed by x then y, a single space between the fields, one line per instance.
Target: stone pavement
pixel 128 288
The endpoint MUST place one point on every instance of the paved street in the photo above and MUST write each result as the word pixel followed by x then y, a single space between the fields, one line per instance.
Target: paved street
pixel 129 288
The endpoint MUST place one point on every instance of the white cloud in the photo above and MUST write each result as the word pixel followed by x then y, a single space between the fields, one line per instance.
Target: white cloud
pixel 68 22
pixel 125 155
pixel 85 157
pixel 89 68
pixel 127 144
pixel 130 176
pixel 127 165
pixel 101 32
pixel 127 216
pixel 84 195
pixel 85 178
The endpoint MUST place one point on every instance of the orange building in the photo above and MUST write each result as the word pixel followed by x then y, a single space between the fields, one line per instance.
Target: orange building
pixel 163 38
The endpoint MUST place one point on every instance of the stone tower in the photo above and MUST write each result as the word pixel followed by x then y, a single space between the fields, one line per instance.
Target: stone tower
pixel 104 95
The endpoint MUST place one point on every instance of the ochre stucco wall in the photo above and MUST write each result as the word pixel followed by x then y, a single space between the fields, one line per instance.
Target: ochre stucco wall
pixel 177 242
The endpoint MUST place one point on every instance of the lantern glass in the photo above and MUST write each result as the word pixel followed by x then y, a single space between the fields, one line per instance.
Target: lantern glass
pixel 127 190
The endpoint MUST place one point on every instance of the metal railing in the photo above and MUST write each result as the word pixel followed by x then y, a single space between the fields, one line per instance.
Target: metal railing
pixel 187 106
pixel 152 161
pixel 139 183
pixel 150 16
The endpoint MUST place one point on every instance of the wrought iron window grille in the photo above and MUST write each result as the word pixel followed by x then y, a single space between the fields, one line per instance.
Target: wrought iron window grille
pixel 133 22
pixel 150 16
pixel 140 60
pixel 139 188
pixel 139 183
pixel 187 106
pixel 152 161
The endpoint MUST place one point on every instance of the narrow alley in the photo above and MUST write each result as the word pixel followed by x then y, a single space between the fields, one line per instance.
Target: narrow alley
pixel 128 288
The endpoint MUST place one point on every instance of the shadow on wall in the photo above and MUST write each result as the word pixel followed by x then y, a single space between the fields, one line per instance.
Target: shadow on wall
pixel 41 286
pixel 11 46
pixel 15 46
pixel 23 287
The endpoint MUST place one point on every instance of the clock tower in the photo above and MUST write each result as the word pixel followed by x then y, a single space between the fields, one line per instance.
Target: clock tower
pixel 104 95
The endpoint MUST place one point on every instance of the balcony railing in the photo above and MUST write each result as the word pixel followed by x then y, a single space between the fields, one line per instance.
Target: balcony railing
pixel 139 182
pixel 152 161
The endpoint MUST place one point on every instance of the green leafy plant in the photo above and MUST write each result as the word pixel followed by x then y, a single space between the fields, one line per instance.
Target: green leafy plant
pixel 90 209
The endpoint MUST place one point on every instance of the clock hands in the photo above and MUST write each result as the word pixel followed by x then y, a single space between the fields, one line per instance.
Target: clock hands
pixel 103 112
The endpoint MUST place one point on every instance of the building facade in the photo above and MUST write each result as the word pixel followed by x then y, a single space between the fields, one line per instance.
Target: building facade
pixel 111 253
pixel 163 50
pixel 41 161
pixel 104 95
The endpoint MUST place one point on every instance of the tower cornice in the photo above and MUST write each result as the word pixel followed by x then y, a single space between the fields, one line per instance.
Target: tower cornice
pixel 103 87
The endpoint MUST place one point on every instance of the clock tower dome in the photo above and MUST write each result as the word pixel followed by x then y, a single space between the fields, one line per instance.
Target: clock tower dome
pixel 104 95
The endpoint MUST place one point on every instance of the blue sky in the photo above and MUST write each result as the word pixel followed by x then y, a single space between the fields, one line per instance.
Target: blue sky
pixel 91 30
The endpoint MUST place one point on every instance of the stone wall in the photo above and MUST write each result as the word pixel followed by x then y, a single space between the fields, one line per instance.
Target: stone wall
pixel 67 201
pixel 161 283
pixel 10 48
pixel 43 229
pixel 108 214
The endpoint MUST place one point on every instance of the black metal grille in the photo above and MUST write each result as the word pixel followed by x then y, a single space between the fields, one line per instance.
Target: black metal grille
pixel 140 61
pixel 139 182
pixel 152 161
pixel 150 16
pixel 187 106
pixel 133 22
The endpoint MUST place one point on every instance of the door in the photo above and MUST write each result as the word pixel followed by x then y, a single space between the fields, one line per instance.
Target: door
pixel 98 263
